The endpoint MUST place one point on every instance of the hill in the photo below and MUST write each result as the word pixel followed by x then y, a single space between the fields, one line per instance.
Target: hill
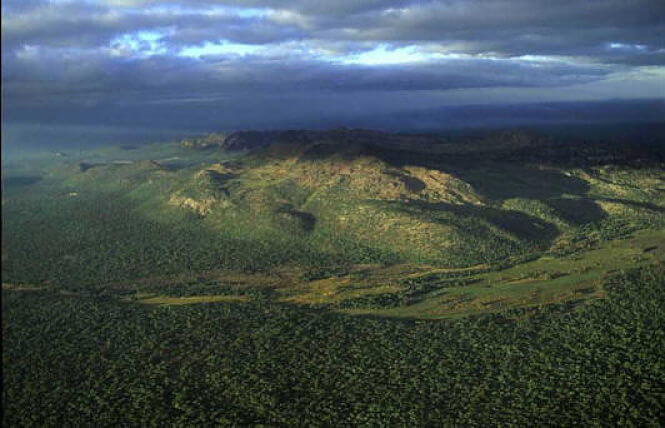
pixel 339 277
pixel 366 211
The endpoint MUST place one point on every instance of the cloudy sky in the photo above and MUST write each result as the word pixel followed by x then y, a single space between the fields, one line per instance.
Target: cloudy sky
pixel 269 63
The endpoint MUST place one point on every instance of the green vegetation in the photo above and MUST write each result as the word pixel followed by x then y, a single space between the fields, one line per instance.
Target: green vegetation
pixel 73 359
pixel 323 278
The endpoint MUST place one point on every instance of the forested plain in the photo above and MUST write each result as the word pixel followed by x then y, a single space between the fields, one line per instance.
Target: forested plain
pixel 334 278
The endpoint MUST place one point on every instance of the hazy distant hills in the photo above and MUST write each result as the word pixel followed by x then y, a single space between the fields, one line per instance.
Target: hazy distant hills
pixel 525 114
pixel 82 128
pixel 424 148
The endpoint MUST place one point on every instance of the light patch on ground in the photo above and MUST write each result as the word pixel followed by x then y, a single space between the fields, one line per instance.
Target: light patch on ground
pixel 191 300
pixel 333 290
pixel 440 186
pixel 201 207
pixel 20 287
pixel 544 281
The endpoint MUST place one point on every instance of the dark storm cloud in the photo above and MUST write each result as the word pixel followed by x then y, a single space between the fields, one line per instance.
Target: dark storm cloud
pixel 135 52
pixel 101 78
pixel 507 26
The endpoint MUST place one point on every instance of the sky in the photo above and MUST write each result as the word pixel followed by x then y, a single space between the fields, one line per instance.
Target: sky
pixel 220 64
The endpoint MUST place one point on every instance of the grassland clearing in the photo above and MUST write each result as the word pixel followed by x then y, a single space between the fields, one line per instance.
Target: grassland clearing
pixel 152 299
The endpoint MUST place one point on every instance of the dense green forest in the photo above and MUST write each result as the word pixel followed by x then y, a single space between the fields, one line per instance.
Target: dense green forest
pixel 84 359
pixel 335 278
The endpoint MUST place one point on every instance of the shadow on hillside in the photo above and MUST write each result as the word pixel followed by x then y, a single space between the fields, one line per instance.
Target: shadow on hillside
pixel 305 220
pixel 493 180
pixel 577 211
pixel 515 223
pixel 500 181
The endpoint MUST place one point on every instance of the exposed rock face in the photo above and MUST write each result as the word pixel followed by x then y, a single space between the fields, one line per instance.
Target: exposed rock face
pixel 200 206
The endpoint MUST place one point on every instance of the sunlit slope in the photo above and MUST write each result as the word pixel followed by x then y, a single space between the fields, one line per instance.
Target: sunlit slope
pixel 316 210
pixel 327 195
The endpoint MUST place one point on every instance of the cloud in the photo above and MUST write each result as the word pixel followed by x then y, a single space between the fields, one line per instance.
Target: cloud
pixel 72 54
